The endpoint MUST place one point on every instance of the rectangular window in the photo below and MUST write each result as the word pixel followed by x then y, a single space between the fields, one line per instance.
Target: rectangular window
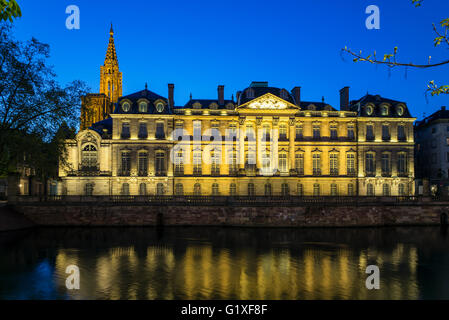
pixel 179 163
pixel 197 130
pixel 299 163
pixel 126 163
pixel 369 132
pixel 401 133
pixel 283 163
pixel 333 132
pixel 160 133
pixel 215 164
pixel 386 165
pixel 350 189
pixel 351 134
pixel 316 161
pixel 316 132
pixel 143 132
pixel 369 164
pixel 125 131
pixel 160 164
pixel 232 132
pixel 333 164
pixel 402 164
pixel 197 160
pixel 232 163
pixel 250 133
pixel 299 132
pixel 350 164
pixel 385 132
pixel 283 132
pixel 143 164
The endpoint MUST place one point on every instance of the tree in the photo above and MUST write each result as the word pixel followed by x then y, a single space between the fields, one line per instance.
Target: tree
pixel 389 59
pixel 33 106
pixel 9 9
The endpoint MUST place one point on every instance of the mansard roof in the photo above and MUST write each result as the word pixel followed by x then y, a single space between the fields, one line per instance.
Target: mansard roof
pixel 377 102
pixel 206 103
pixel 103 126
pixel 441 114
pixel 146 95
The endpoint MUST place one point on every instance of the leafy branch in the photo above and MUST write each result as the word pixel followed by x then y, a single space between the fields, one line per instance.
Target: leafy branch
pixel 390 59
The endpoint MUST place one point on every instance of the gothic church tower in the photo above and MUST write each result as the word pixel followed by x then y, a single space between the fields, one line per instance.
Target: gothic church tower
pixel 111 77
pixel 97 106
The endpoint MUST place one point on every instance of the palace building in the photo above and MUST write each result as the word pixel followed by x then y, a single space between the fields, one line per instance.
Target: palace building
pixel 266 141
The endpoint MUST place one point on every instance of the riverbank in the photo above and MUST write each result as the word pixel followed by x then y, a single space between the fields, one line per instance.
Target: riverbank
pixel 138 214
pixel 12 220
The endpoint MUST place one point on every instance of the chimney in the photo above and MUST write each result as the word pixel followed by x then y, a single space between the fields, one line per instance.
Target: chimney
pixel 296 92
pixel 344 99
pixel 443 108
pixel 238 94
pixel 220 90
pixel 171 101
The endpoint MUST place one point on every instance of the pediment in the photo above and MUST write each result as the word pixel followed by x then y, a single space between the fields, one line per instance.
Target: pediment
pixel 268 102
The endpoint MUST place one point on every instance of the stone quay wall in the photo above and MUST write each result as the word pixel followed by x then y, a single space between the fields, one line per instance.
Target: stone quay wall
pixel 90 214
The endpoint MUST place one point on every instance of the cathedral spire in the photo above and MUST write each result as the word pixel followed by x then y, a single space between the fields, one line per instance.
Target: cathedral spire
pixel 111 55
pixel 111 77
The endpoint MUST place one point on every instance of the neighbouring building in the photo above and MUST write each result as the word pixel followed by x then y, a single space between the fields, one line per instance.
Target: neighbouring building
pixel 432 152
pixel 266 141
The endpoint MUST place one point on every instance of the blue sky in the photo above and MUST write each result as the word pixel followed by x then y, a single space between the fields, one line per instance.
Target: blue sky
pixel 198 45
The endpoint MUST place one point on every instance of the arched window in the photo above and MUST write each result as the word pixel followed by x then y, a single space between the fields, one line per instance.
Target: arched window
pixel 300 189
pixel 160 189
pixel 316 189
pixel 250 189
pixel 197 189
pixel 179 189
pixel 143 189
pixel 268 190
pixel 285 189
pixel 215 189
pixel 350 189
pixel 401 189
pixel 143 106
pixel 386 189
pixel 89 156
pixel 370 190
pixel 125 189
pixel 334 189
pixel 89 189
pixel 233 189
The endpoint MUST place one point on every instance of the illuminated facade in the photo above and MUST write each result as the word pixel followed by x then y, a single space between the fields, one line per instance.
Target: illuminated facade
pixel 265 142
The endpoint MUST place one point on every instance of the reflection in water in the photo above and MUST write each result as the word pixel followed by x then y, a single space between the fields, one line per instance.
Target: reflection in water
pixel 215 263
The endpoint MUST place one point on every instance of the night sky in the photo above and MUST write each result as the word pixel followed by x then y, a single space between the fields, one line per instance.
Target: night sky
pixel 198 45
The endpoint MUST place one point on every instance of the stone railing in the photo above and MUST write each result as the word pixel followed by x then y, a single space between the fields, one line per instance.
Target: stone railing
pixel 219 200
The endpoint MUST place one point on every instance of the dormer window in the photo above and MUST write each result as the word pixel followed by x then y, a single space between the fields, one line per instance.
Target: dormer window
pixel 400 110
pixel 143 106
pixel 369 110
pixel 160 107
pixel 213 106
pixel 126 106
pixel 384 110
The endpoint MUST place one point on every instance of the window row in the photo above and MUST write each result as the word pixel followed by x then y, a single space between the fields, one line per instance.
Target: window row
pixel 386 164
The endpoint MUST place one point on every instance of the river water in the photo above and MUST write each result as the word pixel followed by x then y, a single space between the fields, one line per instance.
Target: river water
pixel 225 263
